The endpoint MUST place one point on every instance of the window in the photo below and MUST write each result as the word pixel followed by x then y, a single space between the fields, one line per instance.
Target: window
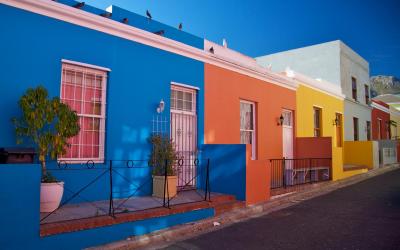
pixel 368 130
pixel 247 125
pixel 354 88
pixel 317 122
pixel 339 130
pixel 379 126
pixel 366 87
pixel 388 130
pixel 183 99
pixel 84 90
pixel 355 128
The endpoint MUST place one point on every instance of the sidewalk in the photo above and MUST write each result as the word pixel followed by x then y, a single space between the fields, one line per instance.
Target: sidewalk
pixel 183 232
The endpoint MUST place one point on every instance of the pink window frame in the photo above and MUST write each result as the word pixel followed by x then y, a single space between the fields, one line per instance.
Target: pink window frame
pixel 97 71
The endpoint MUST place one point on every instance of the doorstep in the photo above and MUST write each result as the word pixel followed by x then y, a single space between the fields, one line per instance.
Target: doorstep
pixel 354 167
pixel 106 220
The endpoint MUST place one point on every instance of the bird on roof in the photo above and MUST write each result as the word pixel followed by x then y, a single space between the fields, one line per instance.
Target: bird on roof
pixel 160 32
pixel 148 14
pixel 211 50
pixel 180 26
pixel 106 14
pixel 79 5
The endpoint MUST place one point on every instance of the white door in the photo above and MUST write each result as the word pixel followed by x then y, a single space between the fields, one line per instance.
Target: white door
pixel 184 133
pixel 287 129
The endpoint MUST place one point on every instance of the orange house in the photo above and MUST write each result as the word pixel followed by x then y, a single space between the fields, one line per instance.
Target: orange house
pixel 247 104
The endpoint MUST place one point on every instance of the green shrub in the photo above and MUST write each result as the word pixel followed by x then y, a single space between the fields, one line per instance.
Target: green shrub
pixel 163 154
pixel 47 123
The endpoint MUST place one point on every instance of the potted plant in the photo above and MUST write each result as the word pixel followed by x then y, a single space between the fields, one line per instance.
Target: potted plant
pixel 162 159
pixel 48 124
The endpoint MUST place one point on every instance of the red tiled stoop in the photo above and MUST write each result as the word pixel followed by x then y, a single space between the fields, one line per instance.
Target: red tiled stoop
pixel 221 203
pixel 228 206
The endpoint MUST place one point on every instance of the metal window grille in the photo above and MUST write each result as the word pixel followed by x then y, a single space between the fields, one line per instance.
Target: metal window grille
pixel 84 90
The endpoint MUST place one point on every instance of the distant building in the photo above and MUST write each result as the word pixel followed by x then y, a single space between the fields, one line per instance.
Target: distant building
pixel 337 63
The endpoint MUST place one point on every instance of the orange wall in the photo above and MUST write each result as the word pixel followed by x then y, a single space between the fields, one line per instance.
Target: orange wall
pixel 223 91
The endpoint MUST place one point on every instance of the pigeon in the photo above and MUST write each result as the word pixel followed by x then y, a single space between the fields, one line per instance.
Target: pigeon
pixel 106 14
pixel 160 32
pixel 79 5
pixel 180 26
pixel 148 14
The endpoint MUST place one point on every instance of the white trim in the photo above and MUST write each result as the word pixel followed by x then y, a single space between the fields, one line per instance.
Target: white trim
pixel 380 107
pixel 185 85
pixel 86 65
pixel 82 18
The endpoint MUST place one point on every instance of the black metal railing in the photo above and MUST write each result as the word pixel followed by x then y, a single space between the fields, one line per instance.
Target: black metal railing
pixel 292 172
pixel 119 186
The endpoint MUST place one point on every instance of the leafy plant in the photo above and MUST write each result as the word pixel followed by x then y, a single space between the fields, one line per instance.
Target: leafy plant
pixel 163 155
pixel 48 123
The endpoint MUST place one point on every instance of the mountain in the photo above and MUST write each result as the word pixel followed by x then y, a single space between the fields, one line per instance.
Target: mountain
pixel 384 85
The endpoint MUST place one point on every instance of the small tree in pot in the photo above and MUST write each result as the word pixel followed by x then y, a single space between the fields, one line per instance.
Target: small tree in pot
pixel 48 124
pixel 162 159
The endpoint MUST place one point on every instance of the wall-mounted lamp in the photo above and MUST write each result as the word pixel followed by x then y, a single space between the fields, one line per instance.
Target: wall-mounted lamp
pixel 161 106
pixel 335 122
pixel 280 120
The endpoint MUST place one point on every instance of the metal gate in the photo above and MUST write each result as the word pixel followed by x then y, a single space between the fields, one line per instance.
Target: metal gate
pixel 184 134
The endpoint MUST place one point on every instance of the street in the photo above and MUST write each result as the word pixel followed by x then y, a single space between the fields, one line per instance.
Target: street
pixel 362 216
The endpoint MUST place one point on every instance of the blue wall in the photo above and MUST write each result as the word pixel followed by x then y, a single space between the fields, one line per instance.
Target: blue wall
pixel 33 46
pixel 19 216
pixel 227 168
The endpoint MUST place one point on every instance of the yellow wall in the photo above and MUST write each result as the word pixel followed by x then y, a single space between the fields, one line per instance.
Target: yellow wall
pixel 361 153
pixel 395 118
pixel 306 99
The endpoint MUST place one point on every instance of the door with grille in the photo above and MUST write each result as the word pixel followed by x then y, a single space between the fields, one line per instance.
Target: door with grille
pixel 184 134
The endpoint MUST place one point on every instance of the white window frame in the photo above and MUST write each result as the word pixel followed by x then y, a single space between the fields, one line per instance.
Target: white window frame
pixel 253 131
pixel 191 91
pixel 96 70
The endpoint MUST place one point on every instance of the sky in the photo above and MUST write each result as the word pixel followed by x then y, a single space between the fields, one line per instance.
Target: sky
pixel 260 27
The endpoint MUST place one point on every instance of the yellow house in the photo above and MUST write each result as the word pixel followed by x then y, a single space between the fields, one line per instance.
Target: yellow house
pixel 320 109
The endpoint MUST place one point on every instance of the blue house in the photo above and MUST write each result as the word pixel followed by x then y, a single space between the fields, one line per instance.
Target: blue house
pixel 126 76
pixel 112 73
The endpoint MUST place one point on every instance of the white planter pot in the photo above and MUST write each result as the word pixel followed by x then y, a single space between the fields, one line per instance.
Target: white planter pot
pixel 50 196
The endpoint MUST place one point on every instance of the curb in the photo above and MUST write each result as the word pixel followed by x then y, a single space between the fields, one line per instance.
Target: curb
pixel 181 232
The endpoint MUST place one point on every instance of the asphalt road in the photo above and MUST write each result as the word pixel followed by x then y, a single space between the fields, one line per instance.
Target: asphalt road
pixel 362 216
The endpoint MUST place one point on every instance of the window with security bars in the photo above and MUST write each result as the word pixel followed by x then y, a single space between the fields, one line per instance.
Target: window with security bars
pixel 183 99
pixel 84 90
